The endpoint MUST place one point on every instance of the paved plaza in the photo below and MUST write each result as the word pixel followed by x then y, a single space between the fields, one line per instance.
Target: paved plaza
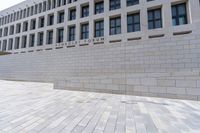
pixel 27 107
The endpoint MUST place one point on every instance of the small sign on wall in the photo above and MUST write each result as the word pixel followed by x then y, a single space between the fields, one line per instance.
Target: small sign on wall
pixel 81 42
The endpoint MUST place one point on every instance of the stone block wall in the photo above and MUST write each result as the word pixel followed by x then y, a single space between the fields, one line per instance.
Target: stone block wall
pixel 160 67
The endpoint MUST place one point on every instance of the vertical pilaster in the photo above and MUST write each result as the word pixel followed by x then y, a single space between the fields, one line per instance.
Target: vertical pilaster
pixel 91 22
pixel 194 10
pixel 106 21
pixel 65 25
pixel 167 17
pixel 78 8
pixel 143 19
pixel 123 21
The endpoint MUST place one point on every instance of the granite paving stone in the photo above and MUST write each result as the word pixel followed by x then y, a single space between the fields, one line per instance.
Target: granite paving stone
pixel 30 107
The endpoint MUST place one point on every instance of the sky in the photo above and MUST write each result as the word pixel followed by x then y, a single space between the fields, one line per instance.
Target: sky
pixel 8 3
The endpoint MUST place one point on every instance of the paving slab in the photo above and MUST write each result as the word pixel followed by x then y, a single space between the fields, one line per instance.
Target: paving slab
pixel 29 107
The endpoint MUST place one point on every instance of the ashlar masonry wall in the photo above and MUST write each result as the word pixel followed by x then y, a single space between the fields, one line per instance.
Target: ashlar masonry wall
pixel 161 67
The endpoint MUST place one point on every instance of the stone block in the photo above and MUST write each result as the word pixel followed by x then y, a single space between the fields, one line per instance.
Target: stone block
pixel 166 83
pixel 148 82
pixel 193 91
pixel 119 81
pixel 186 83
pixel 141 89
pixel 157 90
pixel 198 83
pixel 133 81
pixel 176 90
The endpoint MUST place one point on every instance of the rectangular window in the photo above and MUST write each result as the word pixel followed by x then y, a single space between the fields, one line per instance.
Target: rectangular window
pixel 59 2
pixel 44 6
pixel 18 28
pixel 85 31
pixel 154 19
pixel 4 48
pixel 32 10
pixel 11 29
pixel 24 41
pixel 61 17
pixel 41 22
pixel 50 37
pixel 10 44
pixel 85 11
pixel 132 2
pixel 64 2
pixel 53 3
pixel 1 32
pixel 28 11
pixel 33 24
pixel 115 26
pixel 36 9
pixel 60 35
pixel 25 26
pixel 179 14
pixel 40 8
pixel 32 40
pixel 24 15
pixel 115 4
pixel 50 19
pixel 17 40
pixel 99 28
pixel 72 14
pixel 5 31
pixel 49 4
pixel 99 7
pixel 133 22
pixel 72 33
pixel 40 38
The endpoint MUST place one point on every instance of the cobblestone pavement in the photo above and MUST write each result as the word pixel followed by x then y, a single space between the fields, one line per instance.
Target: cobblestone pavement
pixel 27 107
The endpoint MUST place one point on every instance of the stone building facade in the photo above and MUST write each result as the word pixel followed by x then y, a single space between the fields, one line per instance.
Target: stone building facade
pixel 136 47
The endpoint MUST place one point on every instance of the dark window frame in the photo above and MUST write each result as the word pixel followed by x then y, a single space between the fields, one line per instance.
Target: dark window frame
pixel 178 15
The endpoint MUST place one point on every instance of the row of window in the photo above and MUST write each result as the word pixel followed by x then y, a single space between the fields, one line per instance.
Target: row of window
pixel 51 4
pixel 179 17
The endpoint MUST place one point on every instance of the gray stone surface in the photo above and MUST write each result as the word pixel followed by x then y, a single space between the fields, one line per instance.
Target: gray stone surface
pixel 27 107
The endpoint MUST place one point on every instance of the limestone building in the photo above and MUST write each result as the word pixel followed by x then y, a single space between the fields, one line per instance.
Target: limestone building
pixel 137 47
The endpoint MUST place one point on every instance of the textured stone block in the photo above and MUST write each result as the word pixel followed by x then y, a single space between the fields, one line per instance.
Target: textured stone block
pixel 192 91
pixel 198 83
pixel 166 83
pixel 148 82
pixel 141 89
pixel 176 90
pixel 186 83
pixel 133 81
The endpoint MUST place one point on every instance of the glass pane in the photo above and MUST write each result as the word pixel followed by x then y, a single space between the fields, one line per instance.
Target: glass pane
pixel 130 28
pixel 112 23
pixel 137 27
pixel 137 19
pixel 157 14
pixel 182 20
pixel 118 30
pixel 150 15
pixel 158 24
pixel 118 22
pixel 130 19
pixel 181 9
pixel 102 25
pixel 112 31
pixel 150 24
pixel 97 26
